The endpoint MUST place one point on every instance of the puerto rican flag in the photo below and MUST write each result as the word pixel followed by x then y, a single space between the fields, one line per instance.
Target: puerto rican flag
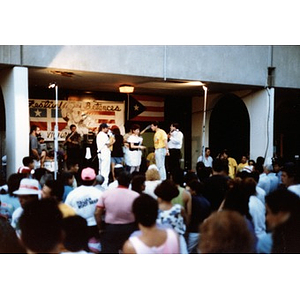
pixel 146 108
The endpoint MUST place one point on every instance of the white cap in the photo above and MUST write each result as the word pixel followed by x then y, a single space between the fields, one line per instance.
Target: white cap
pixel 28 187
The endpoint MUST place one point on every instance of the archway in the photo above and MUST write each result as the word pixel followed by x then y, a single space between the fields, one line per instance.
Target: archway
pixel 2 138
pixel 229 127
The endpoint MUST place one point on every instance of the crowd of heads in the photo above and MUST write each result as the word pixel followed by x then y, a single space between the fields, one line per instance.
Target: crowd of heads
pixel 43 228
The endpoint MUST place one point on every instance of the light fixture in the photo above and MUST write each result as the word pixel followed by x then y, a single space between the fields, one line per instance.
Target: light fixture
pixel 195 83
pixel 127 89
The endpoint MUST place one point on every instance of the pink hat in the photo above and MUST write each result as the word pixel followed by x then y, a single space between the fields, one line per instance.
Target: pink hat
pixel 28 187
pixel 88 174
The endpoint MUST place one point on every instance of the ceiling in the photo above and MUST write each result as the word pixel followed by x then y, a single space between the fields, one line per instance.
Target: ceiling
pixel 89 82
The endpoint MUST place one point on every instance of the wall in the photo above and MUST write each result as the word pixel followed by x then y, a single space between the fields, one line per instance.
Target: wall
pixel 224 64
pixel 260 107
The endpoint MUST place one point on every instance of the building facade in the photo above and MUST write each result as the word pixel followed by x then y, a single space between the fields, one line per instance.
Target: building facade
pixel 251 102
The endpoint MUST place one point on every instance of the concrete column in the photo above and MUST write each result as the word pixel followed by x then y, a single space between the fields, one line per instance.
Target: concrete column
pixel 261 110
pixel 14 84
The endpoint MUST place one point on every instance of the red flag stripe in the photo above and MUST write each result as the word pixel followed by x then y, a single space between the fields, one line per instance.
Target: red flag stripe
pixel 61 125
pixel 105 113
pixel 42 125
pixel 112 121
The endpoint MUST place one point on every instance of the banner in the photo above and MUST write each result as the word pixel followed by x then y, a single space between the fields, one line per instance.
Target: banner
pixel 87 115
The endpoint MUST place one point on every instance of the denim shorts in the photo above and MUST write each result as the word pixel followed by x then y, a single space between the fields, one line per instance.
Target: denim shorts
pixel 117 160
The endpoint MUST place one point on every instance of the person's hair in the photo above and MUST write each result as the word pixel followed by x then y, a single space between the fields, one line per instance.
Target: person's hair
pixel 290 169
pixel 203 172
pixel 167 190
pixel 116 131
pixel 102 125
pixel 224 151
pixel 65 176
pixel 99 179
pixel 41 226
pixel 9 242
pixel 249 186
pixel 252 161
pixel 196 186
pixel 72 126
pixel 33 128
pixel 178 177
pixel 88 182
pixel 27 160
pixel 76 233
pixel 137 183
pixel 283 200
pixel 155 123
pixel 220 165
pixel 237 199
pixel 152 174
pixel 57 188
pixel 226 232
pixel 206 148
pixel 191 175
pixel 176 125
pixel 124 179
pixel 117 171
pixel 39 173
pixel 145 210
pixel 13 182
pixel 135 126
pixel 260 160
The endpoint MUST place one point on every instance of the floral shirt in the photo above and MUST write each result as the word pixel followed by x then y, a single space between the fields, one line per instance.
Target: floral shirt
pixel 172 217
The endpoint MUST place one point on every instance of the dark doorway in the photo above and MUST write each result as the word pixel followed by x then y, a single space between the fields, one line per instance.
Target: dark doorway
pixel 287 123
pixel 229 127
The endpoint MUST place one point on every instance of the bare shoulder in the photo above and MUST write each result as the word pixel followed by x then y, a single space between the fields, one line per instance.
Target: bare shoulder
pixel 128 248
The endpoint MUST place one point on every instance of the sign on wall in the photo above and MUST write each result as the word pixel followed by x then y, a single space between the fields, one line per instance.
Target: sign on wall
pixel 87 115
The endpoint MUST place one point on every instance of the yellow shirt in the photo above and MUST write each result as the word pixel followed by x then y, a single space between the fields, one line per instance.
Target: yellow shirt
pixel 66 210
pixel 160 138
pixel 241 166
pixel 232 165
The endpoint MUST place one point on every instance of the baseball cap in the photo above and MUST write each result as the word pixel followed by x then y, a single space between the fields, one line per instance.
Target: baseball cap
pixel 88 174
pixel 28 187
pixel 104 125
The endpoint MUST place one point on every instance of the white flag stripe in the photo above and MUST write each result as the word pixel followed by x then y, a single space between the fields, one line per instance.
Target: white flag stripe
pixel 151 114
pixel 152 103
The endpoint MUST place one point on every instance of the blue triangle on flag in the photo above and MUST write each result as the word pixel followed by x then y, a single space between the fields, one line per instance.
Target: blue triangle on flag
pixel 135 107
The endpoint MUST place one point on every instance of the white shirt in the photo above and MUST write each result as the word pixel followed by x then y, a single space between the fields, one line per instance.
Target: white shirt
pixel 150 186
pixel 260 194
pixel 207 161
pixel 176 139
pixel 295 189
pixel 102 141
pixel 274 181
pixel 83 200
pixel 264 182
pixel 258 213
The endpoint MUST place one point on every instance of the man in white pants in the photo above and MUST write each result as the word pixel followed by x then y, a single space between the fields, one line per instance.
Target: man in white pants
pixel 103 144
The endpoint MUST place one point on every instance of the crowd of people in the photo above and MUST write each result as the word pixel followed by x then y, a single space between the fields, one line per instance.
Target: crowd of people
pixel 220 207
